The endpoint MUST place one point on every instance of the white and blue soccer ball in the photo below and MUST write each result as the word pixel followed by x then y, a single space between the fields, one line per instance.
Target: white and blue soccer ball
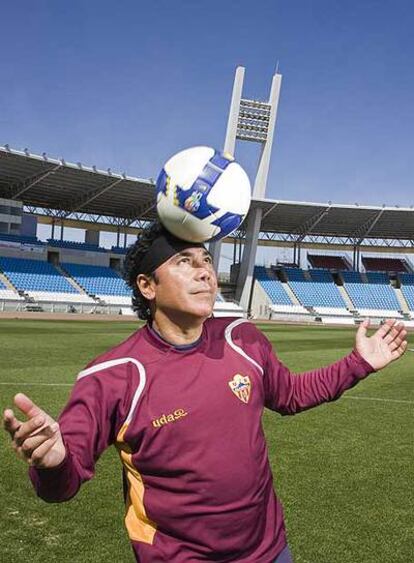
pixel 202 194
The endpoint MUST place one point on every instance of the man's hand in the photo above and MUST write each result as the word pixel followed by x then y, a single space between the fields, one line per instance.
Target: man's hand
pixel 38 440
pixel 384 346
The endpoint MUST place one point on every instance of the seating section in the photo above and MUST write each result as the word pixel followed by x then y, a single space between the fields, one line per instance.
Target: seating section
pixel 376 294
pixel 328 262
pixel 98 280
pixel 34 275
pixel 75 245
pixel 407 288
pixel 371 293
pixel 320 291
pixel 22 239
pixel 374 264
pixel 274 288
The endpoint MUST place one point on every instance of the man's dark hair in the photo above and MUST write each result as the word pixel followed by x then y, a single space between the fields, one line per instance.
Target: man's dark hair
pixel 131 268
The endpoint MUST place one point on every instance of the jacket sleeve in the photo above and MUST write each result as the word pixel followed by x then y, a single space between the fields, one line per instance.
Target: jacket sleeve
pixel 289 393
pixel 89 423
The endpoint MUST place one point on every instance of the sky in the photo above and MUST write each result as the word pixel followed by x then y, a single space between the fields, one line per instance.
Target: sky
pixel 127 84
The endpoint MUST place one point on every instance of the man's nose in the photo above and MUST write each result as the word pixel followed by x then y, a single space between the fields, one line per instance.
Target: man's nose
pixel 203 270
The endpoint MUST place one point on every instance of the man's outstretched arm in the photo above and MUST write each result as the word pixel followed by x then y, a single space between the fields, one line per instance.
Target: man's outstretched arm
pixel 289 393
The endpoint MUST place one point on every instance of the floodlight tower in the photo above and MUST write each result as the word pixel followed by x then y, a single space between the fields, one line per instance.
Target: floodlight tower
pixel 254 121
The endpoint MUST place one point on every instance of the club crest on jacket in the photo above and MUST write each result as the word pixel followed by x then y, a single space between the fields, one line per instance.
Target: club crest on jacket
pixel 241 387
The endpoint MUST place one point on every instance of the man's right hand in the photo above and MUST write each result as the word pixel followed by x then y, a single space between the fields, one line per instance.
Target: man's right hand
pixel 37 440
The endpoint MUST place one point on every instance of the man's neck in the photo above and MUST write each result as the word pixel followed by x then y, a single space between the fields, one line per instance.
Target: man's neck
pixel 176 333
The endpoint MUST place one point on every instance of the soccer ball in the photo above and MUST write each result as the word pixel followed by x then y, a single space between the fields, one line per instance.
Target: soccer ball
pixel 202 194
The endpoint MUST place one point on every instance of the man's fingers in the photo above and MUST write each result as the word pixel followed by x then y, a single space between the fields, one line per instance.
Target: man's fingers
pixel 394 333
pixel 362 329
pixel 27 406
pixel 386 327
pixel 28 446
pixel 40 452
pixel 28 428
pixel 10 422
pixel 399 351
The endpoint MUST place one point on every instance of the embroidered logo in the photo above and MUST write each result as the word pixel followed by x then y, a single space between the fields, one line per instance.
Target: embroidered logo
pixel 167 418
pixel 241 387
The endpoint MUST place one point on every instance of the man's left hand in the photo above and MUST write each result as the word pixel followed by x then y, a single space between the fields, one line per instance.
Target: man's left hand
pixel 387 344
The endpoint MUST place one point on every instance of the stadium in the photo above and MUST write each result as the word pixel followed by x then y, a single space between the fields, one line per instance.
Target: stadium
pixel 348 263
pixel 357 256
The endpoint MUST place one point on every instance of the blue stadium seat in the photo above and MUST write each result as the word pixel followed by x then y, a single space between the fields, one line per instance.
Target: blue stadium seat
pixel 273 288
pixel 320 291
pixel 97 280
pixel 34 275
pixel 376 294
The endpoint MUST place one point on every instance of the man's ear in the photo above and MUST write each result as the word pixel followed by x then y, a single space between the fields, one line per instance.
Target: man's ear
pixel 146 285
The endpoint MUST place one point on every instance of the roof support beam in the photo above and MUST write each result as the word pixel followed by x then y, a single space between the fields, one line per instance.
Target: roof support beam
pixel 78 203
pixel 367 227
pixel 311 223
pixel 139 212
pixel 22 187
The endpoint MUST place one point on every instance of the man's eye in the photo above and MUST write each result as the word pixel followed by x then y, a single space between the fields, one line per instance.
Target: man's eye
pixel 184 260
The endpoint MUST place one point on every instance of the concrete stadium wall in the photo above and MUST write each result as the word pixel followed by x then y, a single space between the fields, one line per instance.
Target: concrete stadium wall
pixel 260 307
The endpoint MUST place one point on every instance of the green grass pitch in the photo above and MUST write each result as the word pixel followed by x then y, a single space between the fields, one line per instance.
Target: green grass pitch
pixel 344 471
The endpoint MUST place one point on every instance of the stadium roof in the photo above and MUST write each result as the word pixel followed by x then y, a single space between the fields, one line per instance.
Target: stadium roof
pixel 63 190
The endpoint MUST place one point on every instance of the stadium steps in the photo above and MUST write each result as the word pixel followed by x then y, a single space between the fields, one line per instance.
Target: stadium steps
pixel 70 280
pixel 402 301
pixel 346 298
pixel 291 293
pixel 273 276
pixel 8 283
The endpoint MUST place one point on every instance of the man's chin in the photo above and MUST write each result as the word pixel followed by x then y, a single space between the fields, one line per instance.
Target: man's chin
pixel 201 311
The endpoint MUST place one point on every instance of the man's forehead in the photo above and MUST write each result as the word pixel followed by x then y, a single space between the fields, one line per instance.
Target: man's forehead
pixel 191 252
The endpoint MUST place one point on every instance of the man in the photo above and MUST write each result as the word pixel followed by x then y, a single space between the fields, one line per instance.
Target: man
pixel 182 400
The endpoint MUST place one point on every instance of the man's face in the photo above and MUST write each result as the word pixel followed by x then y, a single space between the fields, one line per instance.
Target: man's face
pixel 186 284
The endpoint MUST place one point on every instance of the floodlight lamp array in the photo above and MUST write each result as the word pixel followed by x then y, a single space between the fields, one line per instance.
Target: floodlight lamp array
pixel 253 120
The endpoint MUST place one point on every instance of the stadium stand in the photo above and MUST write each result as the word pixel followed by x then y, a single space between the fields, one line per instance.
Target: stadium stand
pixel 374 264
pixel 280 303
pixel 319 291
pixel 7 295
pixel 373 299
pixel 324 224
pixel 274 288
pixel 328 262
pixel 21 239
pixel 407 288
pixel 41 282
pixel 75 245
pixel 34 275
pixel 101 282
